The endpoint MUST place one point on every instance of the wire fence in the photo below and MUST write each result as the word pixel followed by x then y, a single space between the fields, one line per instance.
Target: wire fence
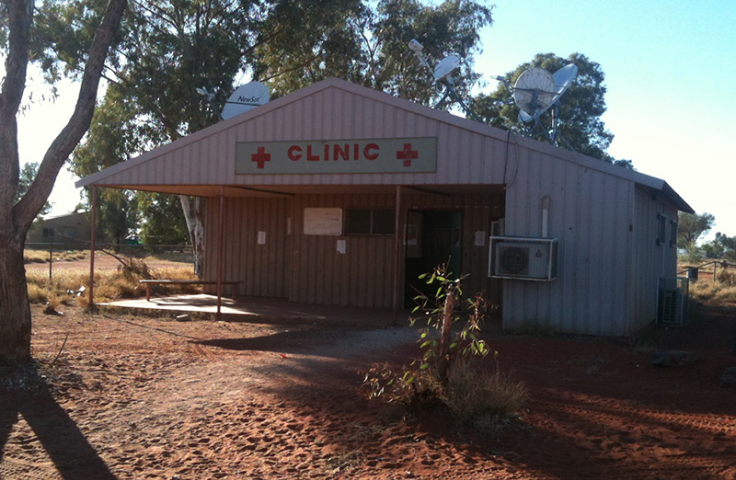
pixel 693 272
pixel 181 253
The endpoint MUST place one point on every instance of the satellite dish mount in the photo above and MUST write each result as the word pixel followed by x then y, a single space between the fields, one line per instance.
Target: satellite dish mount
pixel 442 76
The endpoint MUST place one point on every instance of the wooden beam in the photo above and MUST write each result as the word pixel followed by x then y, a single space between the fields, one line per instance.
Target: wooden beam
pixel 397 255
pixel 262 190
pixel 429 191
pixel 220 250
pixel 93 238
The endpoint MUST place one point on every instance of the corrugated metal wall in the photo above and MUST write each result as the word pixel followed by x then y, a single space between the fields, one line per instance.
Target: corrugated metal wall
pixel 589 214
pixel 261 268
pixel 463 156
pixel 650 260
pixel 308 268
pixel 607 267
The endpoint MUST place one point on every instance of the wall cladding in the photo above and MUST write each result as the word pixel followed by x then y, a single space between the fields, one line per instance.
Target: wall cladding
pixel 308 268
pixel 589 214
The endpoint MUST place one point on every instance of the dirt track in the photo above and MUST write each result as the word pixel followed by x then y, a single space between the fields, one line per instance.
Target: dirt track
pixel 136 397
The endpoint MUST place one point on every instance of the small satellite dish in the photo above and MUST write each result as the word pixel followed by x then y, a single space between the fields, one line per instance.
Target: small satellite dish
pixel 445 67
pixel 564 77
pixel 535 91
pixel 525 117
pixel 246 97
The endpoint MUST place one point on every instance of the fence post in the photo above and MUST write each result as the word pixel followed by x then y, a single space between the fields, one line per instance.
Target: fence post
pixel 715 265
pixel 51 261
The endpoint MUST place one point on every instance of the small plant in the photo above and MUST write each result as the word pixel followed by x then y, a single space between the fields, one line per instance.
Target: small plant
pixel 447 372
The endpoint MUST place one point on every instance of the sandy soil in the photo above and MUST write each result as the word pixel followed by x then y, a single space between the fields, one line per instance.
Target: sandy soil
pixel 137 398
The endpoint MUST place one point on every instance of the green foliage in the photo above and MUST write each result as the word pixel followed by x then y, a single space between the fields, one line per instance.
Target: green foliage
pixel 366 43
pixel 690 227
pixel 440 347
pixel 163 221
pixel 579 113
pixel 722 246
pixel 117 215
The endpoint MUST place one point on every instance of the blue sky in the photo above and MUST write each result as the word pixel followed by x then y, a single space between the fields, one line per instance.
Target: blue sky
pixel 671 77
pixel 670 72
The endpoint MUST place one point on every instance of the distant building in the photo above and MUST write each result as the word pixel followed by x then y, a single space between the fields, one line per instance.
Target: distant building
pixel 342 195
pixel 71 230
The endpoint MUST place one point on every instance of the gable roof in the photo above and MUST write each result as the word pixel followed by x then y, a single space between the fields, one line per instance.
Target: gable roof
pixel 468 152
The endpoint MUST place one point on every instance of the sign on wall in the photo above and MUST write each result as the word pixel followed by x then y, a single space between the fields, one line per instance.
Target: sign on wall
pixel 386 155
pixel 323 221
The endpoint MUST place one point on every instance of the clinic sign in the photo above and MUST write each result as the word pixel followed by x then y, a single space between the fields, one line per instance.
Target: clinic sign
pixel 385 155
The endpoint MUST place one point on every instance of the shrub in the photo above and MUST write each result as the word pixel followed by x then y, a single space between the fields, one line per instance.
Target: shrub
pixel 480 400
pixel 447 371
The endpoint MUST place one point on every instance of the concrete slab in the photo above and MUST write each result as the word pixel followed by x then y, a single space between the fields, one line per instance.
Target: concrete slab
pixel 265 309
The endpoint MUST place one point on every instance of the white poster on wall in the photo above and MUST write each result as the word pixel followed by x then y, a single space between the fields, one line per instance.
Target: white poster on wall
pixel 323 221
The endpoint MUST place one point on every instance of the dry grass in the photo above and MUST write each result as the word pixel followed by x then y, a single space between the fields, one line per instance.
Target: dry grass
pixel 42 256
pixel 481 400
pixel 711 293
pixel 109 285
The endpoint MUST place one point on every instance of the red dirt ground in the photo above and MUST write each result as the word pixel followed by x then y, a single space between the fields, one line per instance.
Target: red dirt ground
pixel 134 397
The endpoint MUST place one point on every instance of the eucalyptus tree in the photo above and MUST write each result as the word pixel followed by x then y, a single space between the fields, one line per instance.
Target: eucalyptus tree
pixel 369 47
pixel 173 48
pixel 691 227
pixel 20 38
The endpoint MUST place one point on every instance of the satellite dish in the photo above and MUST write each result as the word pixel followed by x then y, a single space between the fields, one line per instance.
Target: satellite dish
pixel 525 117
pixel 564 77
pixel 445 67
pixel 246 97
pixel 535 90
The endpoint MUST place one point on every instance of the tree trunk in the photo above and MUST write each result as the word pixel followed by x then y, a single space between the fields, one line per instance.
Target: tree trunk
pixel 194 212
pixel 448 311
pixel 16 217
pixel 15 312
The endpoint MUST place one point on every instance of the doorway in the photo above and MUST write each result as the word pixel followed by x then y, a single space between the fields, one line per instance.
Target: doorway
pixel 432 238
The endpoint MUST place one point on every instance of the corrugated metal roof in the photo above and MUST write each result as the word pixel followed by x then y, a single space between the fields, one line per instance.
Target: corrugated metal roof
pixel 469 152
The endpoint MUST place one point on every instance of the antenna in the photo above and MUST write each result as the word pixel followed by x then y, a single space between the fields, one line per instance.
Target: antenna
pixel 442 75
pixel 536 91
pixel 445 67
pixel 244 98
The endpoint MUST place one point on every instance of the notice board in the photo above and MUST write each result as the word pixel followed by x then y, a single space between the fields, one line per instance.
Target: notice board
pixel 323 221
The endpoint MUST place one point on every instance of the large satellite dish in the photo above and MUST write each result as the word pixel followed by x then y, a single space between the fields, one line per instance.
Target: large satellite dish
pixel 535 91
pixel 246 97
pixel 445 67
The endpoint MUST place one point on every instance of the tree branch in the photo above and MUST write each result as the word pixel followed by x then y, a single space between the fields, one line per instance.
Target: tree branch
pixel 20 17
pixel 63 145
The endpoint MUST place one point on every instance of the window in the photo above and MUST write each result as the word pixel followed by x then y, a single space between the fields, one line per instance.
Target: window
pixel 673 234
pixel 370 222
pixel 48 233
pixel 661 229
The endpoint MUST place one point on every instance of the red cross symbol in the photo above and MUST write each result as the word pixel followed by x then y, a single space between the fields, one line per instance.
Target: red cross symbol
pixel 407 155
pixel 261 157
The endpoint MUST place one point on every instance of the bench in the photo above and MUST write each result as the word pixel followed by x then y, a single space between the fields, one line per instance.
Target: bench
pixel 148 284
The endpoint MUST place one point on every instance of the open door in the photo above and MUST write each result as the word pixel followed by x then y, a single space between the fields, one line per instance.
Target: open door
pixel 432 238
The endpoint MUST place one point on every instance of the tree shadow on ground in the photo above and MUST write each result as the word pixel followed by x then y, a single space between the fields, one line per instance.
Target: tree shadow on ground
pixel 26 394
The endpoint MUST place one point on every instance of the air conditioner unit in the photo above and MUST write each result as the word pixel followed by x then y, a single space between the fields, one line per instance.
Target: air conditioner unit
pixel 523 258
pixel 672 301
